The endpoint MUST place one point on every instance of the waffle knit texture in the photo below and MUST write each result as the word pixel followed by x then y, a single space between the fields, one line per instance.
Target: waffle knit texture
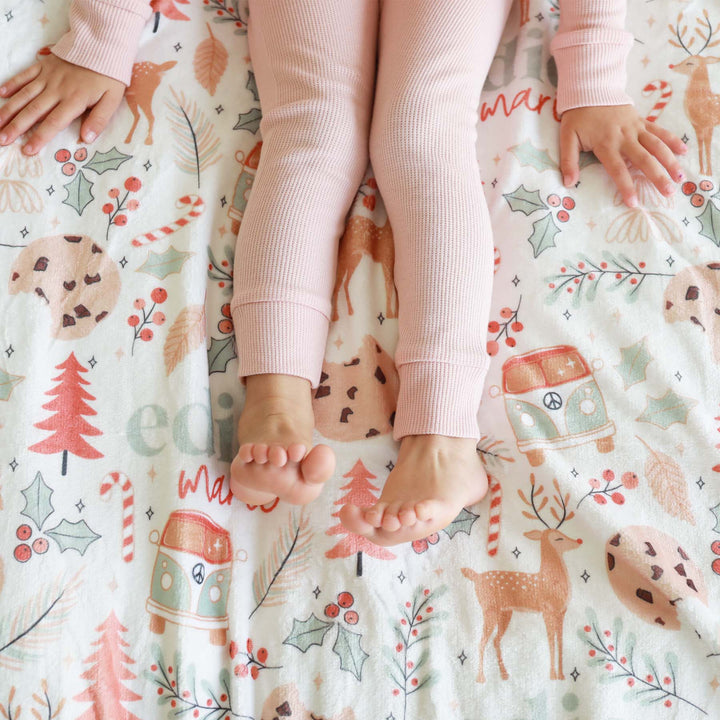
pixel 343 83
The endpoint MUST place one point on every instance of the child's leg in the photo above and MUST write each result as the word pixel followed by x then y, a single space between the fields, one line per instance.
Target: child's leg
pixel 423 152
pixel 314 64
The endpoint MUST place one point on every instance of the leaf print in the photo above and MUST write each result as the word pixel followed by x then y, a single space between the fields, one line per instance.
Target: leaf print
pixel 633 364
pixel 210 62
pixel 284 567
pixel 668 484
pixel 529 155
pixel 186 334
pixel 524 201
pixel 666 410
pixel 543 236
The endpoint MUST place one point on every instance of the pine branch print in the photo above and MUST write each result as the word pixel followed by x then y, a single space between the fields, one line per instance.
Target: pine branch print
pixel 36 624
pixel 286 563
pixel 195 142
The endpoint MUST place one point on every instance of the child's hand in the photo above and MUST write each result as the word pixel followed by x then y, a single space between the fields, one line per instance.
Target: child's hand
pixel 57 91
pixel 615 132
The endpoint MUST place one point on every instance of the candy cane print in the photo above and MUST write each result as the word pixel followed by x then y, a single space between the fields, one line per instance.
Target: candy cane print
pixel 128 542
pixel 666 90
pixel 197 208
pixel 494 521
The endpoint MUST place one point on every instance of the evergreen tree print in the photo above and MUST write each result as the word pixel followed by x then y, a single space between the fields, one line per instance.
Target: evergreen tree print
pixel 361 492
pixel 107 692
pixel 67 424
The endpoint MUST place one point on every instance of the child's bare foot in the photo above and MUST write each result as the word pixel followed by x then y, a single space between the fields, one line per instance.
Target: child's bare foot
pixel 434 478
pixel 276 457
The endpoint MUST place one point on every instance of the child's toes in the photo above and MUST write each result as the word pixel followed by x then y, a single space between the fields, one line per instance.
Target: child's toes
pixel 407 514
pixel 428 509
pixel 277 455
pixel 245 452
pixel 374 515
pixel 260 453
pixel 296 452
pixel 318 465
pixel 390 521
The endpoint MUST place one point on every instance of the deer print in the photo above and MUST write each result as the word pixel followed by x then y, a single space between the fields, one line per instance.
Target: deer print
pixel 702 106
pixel 363 237
pixel 547 591
pixel 145 79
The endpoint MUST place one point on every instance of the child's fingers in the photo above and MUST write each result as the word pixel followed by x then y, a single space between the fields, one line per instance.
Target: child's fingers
pixel 9 87
pixel 670 139
pixel 617 169
pixel 657 147
pixel 569 156
pixel 28 116
pixel 58 119
pixel 11 108
pixel 652 169
pixel 100 115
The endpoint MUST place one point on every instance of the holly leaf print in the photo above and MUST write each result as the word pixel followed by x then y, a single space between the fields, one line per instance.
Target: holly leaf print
pixel 8 382
pixel 529 155
pixel 524 201
pixel 633 363
pixel 307 632
pixel 710 222
pixel 37 501
pixel 666 410
pixel 79 193
pixel 73 536
pixel 347 648
pixel 462 523
pixel 544 232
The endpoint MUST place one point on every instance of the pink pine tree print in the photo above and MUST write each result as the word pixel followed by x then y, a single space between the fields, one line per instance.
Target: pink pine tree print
pixel 107 692
pixel 67 423
pixel 361 492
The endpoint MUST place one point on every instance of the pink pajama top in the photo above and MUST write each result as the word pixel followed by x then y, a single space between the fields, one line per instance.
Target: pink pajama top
pixel 590 47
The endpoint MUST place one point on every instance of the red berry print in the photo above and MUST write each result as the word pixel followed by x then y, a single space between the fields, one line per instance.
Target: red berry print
pixel 159 295
pixel 493 326
pixel 80 154
pixel 600 499
pixel 22 553
pixel 506 313
pixel 120 220
pixel 553 200
pixel 629 480
pixel 563 216
pixel 225 310
pixel 419 546
pixel 132 184
pixel 254 672
pixel 618 498
pixel 517 327
pixel 351 617
pixel 697 200
pixel 433 538
pixel 133 320
pixel 113 193
pixel 689 187
pixel 492 347
pixel 608 476
pixel 146 334
pixel 715 547
pixel 716 566
pixel 62 156
pixel 706 185
pixel 262 654
pixel 23 532
pixel 399 647
pixel 249 645
pixel 233 650
pixel 40 545
pixel 332 610
pixel 107 208
pixel 69 169
pixel 568 203
pixel 345 599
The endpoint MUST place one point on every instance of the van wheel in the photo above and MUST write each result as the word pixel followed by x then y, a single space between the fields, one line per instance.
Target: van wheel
pixel 157 624
pixel 535 457
pixel 606 444
pixel 218 636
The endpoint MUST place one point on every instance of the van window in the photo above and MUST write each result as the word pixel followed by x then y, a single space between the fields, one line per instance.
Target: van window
pixel 564 368
pixel 521 378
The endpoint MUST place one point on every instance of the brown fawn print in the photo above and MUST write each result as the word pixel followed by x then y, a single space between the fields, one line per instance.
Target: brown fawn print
pixel 501 592
pixel 363 237
pixel 702 106
pixel 145 79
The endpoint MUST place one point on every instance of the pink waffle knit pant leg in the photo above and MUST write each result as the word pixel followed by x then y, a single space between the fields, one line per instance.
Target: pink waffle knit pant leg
pixel 314 64
pixel 433 57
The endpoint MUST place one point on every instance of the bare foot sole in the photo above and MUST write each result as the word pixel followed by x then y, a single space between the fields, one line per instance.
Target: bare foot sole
pixel 276 457
pixel 434 479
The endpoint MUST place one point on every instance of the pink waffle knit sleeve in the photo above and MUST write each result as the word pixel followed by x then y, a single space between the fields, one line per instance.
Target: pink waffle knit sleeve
pixel 104 35
pixel 590 50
